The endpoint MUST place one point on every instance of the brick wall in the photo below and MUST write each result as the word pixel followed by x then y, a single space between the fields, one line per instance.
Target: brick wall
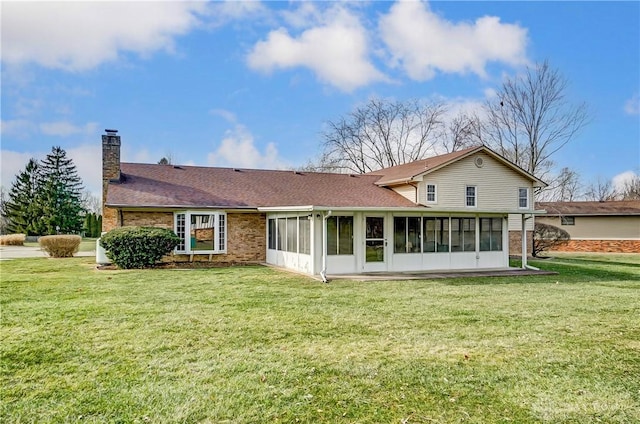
pixel 246 239
pixel 515 243
pixel 609 246
pixel 109 218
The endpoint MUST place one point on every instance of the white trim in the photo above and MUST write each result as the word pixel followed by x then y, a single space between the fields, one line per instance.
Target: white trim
pixel 435 193
pixel 216 231
pixel 528 198
pixel 475 196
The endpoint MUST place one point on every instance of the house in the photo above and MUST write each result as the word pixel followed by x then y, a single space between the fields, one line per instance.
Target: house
pixel 612 226
pixel 442 213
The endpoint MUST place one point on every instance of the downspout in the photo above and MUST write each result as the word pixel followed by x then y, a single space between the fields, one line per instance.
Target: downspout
pixel 414 185
pixel 525 265
pixel 323 273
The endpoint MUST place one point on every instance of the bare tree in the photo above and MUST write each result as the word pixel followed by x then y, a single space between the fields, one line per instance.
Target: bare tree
pixel 601 191
pixel 464 130
pixel 631 188
pixel 381 134
pixel 91 202
pixel 564 187
pixel 531 119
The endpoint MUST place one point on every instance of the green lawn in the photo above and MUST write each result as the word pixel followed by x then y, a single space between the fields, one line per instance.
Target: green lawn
pixel 255 345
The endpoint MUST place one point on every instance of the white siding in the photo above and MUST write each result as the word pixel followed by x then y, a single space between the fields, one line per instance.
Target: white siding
pixel 407 191
pixel 497 184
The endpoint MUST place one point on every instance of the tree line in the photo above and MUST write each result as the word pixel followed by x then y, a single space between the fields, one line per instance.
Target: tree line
pixel 527 121
pixel 47 198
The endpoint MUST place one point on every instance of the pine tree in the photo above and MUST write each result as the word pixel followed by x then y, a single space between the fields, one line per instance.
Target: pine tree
pixel 60 194
pixel 23 210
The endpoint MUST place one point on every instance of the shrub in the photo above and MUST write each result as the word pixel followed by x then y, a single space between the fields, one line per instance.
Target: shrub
pixel 61 246
pixel 12 240
pixel 546 237
pixel 138 247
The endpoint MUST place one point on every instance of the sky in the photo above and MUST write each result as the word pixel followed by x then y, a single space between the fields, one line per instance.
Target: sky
pixel 252 84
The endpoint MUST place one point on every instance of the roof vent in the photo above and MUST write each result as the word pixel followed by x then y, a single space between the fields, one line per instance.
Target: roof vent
pixel 479 161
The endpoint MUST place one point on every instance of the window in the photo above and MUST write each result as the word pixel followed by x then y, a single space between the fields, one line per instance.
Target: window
pixel 463 234
pixel 272 233
pixel 490 234
pixel 431 193
pixel 523 198
pixel 292 234
pixel 282 234
pixel 201 232
pixel 471 196
pixel 436 235
pixel 181 231
pixel 340 235
pixel 567 220
pixel 304 233
pixel 406 234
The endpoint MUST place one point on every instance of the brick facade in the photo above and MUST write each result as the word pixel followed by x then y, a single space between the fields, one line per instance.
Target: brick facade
pixel 246 236
pixel 607 246
pixel 515 243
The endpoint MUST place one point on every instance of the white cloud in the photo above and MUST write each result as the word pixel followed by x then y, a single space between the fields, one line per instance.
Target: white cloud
pixel 76 36
pixel 423 43
pixel 336 50
pixel 64 128
pixel 632 106
pixel 238 149
pixel 224 114
pixel 13 163
pixel 19 128
pixel 88 161
pixel 621 179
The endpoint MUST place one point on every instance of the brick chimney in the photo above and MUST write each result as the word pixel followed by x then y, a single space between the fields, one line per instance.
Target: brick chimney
pixel 110 173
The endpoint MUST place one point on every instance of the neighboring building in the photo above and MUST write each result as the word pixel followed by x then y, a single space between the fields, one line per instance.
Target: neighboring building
pixel 442 213
pixel 595 226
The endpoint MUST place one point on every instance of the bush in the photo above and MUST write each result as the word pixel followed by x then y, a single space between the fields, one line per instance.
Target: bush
pixel 12 240
pixel 62 246
pixel 138 247
pixel 546 237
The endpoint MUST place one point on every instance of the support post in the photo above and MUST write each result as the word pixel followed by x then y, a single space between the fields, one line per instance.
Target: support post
pixel 524 241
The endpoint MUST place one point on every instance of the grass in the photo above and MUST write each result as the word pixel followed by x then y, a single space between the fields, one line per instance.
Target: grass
pixel 255 345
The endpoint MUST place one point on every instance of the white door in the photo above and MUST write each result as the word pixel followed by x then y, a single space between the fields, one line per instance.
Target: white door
pixel 375 244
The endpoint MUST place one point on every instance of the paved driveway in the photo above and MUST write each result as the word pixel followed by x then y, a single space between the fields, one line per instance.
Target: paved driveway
pixel 16 252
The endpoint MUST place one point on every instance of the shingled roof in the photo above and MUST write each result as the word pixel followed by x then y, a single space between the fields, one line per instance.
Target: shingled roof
pixel 401 174
pixel 623 207
pixel 152 185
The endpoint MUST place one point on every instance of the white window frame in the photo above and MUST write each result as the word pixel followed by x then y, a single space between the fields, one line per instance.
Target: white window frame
pixel 217 227
pixel 526 190
pixel 475 196
pixel 435 193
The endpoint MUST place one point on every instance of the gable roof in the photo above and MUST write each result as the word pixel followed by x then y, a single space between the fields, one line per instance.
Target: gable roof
pixel 612 208
pixel 152 185
pixel 410 171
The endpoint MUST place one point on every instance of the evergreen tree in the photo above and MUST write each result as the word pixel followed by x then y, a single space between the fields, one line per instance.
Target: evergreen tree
pixel 22 209
pixel 60 194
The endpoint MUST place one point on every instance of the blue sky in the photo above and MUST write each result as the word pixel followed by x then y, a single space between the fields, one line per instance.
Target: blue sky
pixel 251 84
